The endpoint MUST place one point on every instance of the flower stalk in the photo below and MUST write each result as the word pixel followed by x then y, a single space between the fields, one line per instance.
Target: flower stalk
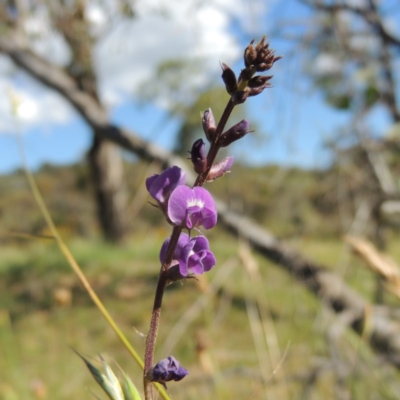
pixel 151 337
pixel 186 208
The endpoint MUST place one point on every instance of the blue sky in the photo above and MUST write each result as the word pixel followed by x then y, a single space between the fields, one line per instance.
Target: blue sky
pixel 293 120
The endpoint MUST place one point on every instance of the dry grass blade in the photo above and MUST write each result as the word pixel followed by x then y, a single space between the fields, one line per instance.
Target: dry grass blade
pixel 261 323
pixel 378 262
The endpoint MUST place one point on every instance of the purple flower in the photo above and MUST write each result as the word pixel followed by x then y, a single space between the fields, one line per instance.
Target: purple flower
pixel 193 255
pixel 168 369
pixel 192 207
pixel 161 186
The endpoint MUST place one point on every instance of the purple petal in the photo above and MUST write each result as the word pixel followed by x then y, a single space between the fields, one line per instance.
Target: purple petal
pixel 196 257
pixel 185 204
pixel 160 186
pixel 182 241
pixel 205 196
pixel 177 204
pixel 209 218
pixel 184 257
pixel 180 373
pixel 194 217
pixel 208 261
pixel 168 369
pixel 150 180
pixel 195 265
pixel 201 243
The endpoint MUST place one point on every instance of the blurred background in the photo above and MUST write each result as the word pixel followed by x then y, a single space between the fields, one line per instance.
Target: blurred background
pixel 100 93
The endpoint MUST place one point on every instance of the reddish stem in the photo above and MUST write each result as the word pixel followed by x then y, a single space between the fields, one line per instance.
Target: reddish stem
pixel 162 278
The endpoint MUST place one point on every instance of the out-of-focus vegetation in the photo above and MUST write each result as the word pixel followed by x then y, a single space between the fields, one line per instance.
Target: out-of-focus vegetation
pixel 287 201
pixel 45 310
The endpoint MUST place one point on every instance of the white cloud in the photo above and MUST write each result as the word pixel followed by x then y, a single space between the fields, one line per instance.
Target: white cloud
pixel 163 31
pixel 128 51
pixel 27 104
pixel 327 64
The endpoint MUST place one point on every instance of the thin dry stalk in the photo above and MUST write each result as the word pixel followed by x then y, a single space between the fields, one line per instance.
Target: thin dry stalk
pixel 261 322
pixel 380 263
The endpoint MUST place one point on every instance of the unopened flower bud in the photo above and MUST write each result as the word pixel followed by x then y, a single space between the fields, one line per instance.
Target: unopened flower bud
pixel 209 126
pixel 250 54
pixel 261 56
pixel 266 61
pixel 246 74
pixel 198 156
pixel 229 78
pixel 220 169
pixel 265 66
pixel 166 370
pixel 235 133
pixel 255 91
pixel 258 81
pixel 257 84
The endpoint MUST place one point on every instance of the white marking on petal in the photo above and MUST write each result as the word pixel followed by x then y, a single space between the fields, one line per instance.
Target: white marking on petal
pixel 195 202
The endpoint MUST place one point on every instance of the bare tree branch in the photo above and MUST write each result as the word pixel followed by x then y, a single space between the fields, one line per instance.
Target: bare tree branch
pixel 369 14
pixel 92 112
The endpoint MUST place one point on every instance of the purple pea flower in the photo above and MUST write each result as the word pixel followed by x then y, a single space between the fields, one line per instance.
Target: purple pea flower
pixel 192 207
pixel 192 255
pixel 168 369
pixel 161 186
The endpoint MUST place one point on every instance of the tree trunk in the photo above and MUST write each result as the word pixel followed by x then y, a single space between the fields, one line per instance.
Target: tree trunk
pixel 107 174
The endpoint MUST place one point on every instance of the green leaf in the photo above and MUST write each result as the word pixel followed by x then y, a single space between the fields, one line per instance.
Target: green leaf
pixel 113 380
pixel 108 383
pixel 129 389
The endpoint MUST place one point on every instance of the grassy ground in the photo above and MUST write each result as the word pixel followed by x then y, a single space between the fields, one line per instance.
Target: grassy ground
pixel 260 334
pixel 222 342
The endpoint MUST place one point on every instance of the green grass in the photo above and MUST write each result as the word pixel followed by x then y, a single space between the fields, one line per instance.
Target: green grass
pixel 36 334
